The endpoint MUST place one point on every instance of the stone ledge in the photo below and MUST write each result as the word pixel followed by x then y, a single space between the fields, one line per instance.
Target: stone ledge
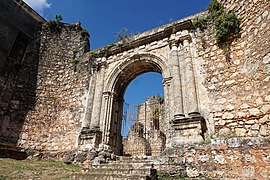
pixel 11 150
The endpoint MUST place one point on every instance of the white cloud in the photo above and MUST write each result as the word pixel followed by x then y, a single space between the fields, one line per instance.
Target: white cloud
pixel 38 5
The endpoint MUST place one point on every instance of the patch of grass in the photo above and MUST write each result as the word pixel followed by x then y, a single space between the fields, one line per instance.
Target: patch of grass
pixel 28 169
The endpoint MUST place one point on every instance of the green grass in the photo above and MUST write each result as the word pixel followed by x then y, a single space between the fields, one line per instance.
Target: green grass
pixel 29 169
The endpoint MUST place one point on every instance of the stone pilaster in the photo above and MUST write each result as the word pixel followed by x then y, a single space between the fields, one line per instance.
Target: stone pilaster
pixel 108 108
pixel 167 99
pixel 190 101
pixel 177 85
pixel 90 98
pixel 95 118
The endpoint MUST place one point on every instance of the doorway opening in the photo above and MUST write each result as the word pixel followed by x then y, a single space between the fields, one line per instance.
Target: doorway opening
pixel 143 114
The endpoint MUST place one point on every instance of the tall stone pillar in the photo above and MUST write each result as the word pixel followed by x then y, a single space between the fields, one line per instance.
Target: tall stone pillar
pixel 90 135
pixel 188 80
pixel 107 116
pixel 177 85
pixel 105 110
pixel 90 99
pixel 95 118
pixel 168 100
pixel 189 129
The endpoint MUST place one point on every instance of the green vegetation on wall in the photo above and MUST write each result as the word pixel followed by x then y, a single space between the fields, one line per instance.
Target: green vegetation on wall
pixel 75 61
pixel 55 25
pixel 226 25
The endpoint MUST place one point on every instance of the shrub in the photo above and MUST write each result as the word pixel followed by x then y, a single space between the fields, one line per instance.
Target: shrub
pixel 226 26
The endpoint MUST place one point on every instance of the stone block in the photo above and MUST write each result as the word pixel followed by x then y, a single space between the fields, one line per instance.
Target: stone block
pixel 219 159
pixel 264 119
pixel 254 111
pixel 265 108
pixel 240 132
pixel 192 172
pixel 264 130
pixel 228 115
pixel 248 172
pixel 267 98
pixel 234 142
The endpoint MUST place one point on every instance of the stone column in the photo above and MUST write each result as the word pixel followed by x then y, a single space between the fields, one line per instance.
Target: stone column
pixel 90 99
pixel 104 110
pixel 95 118
pixel 177 87
pixel 188 80
pixel 119 125
pixel 167 99
pixel 107 117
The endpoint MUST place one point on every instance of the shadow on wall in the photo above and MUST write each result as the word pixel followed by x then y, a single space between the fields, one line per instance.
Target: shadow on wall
pixel 18 80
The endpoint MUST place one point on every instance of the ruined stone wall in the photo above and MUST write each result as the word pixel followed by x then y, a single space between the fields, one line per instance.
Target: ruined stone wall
pixel 54 122
pixel 19 53
pixel 135 144
pixel 18 90
pixel 15 17
pixel 150 115
pixel 238 87
pixel 234 158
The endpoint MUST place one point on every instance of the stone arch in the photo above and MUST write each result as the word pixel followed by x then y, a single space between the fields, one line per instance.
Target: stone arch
pixel 182 120
pixel 115 88
pixel 150 63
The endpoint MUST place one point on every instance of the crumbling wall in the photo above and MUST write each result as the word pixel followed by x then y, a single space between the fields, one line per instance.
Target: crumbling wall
pixel 234 158
pixel 150 115
pixel 18 95
pixel 237 87
pixel 19 55
pixel 54 123
pixel 135 144
pixel 157 141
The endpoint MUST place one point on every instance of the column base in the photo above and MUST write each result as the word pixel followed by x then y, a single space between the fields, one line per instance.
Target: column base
pixel 89 138
pixel 194 114
pixel 178 116
pixel 187 130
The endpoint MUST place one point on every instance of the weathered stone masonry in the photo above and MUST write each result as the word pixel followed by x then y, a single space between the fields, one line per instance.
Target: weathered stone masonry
pixel 61 102
pixel 60 94
pixel 238 88
pixel 19 55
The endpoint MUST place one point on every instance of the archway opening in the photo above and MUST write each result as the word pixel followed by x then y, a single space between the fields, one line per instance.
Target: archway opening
pixel 143 116
pixel 121 78
pixel 140 89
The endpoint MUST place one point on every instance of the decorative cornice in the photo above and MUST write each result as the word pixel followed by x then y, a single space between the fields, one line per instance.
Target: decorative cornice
pixel 144 38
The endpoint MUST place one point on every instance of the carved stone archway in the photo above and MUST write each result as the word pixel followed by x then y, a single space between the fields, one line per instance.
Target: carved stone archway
pixel 115 89
pixel 171 54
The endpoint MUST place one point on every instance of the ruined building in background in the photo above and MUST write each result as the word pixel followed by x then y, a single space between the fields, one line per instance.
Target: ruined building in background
pixel 146 137
pixel 59 99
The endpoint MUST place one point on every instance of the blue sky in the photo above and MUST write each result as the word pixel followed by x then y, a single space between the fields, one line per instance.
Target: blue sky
pixel 104 18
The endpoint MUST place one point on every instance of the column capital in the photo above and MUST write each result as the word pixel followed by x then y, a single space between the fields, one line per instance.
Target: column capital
pixel 186 42
pixel 174 44
pixel 103 64
pixel 109 94
pixel 166 81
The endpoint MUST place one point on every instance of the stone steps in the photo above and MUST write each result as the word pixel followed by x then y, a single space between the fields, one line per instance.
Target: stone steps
pixel 85 176
pixel 122 168
pixel 108 171
pixel 11 150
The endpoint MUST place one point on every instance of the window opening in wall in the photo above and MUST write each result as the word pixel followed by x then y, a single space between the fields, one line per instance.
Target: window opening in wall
pixel 16 54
